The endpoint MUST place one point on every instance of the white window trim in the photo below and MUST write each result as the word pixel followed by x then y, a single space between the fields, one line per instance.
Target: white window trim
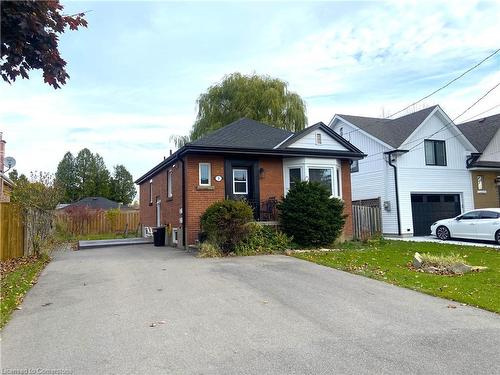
pixel 333 174
pixel 246 182
pixel 151 191
pixel 305 163
pixel 302 176
pixel 209 174
pixel 175 235
pixel 317 136
pixel 169 184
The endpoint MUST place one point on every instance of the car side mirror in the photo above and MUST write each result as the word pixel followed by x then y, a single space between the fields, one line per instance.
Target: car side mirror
pixel 458 218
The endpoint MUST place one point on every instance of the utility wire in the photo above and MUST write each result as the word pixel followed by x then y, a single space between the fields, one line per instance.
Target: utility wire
pixel 446 85
pixel 429 95
pixel 365 161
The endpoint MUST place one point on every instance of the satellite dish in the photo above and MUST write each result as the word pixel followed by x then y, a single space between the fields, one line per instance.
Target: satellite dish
pixel 9 162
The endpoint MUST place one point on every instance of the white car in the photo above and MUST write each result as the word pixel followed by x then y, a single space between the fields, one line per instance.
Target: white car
pixel 483 224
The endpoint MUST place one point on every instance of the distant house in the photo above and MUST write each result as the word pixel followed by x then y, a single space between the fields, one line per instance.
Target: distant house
pixel 94 203
pixel 244 160
pixel 415 170
pixel 484 165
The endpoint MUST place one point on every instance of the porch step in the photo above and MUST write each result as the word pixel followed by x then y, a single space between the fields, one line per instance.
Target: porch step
pixel 114 242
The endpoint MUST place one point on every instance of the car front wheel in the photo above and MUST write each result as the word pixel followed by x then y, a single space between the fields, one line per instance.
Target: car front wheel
pixel 443 233
pixel 497 237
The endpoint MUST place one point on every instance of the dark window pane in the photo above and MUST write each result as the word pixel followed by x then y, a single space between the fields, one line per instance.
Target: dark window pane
pixel 449 198
pixel 489 215
pixel 433 198
pixel 470 215
pixel 417 198
pixel 294 175
pixel 240 187
pixel 440 152
pixel 355 166
pixel 323 176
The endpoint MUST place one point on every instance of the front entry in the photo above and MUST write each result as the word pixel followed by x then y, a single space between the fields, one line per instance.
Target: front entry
pixel 242 181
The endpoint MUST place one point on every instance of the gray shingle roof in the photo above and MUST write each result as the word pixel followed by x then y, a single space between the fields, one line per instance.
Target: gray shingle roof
pixel 96 203
pixel 480 132
pixel 391 131
pixel 244 133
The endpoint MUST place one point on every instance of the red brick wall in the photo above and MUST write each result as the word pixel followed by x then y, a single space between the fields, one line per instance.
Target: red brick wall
pixel 347 197
pixel 198 199
pixel 169 210
pixel 271 181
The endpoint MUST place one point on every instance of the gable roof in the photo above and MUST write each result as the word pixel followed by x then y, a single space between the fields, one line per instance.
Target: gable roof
pixel 244 133
pixel 391 131
pixel 318 126
pixel 249 137
pixel 481 131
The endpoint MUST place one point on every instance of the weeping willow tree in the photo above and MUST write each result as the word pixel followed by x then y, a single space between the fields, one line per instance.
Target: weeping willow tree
pixel 260 98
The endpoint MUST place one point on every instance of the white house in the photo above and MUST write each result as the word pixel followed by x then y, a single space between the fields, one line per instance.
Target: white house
pixel 415 169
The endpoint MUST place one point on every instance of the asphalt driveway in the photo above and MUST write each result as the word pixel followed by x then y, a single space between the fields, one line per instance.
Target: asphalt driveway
pixel 145 310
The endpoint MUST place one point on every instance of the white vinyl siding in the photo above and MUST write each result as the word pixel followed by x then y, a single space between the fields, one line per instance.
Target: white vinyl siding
pixel 376 178
pixel 310 141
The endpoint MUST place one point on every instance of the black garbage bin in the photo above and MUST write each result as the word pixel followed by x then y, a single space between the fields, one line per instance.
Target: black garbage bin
pixel 159 236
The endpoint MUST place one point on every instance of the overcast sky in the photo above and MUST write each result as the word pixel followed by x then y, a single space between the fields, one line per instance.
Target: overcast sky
pixel 137 70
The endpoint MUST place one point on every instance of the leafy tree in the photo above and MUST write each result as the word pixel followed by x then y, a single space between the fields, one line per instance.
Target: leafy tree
pixel 310 216
pixel 122 185
pixel 85 172
pixel 260 98
pixel 101 177
pixel 40 191
pixel 30 33
pixel 16 178
pixel 66 177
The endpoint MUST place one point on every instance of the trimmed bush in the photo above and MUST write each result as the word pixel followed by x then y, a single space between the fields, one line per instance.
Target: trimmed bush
pixel 224 223
pixel 262 239
pixel 310 216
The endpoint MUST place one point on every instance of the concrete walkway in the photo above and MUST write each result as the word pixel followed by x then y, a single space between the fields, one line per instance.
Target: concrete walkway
pixel 147 310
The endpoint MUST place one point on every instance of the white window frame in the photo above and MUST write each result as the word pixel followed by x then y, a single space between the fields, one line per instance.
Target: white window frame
pixel 175 235
pixel 169 184
pixel 151 191
pixel 333 175
pixel 288 178
pixel 246 182
pixel 200 165
pixel 317 138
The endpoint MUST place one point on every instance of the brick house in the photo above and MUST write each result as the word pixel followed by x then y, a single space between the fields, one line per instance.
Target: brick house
pixel 484 166
pixel 244 160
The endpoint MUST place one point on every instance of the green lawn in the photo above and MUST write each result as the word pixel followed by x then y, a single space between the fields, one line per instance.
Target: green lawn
pixel 16 283
pixel 388 261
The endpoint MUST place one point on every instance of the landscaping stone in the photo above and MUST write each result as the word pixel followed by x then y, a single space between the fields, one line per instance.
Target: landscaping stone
pixel 455 269
pixel 417 261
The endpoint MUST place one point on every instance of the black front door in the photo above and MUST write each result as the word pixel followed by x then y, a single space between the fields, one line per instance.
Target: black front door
pixel 429 208
pixel 242 181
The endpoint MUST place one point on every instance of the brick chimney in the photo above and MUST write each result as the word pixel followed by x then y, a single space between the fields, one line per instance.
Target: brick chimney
pixel 2 152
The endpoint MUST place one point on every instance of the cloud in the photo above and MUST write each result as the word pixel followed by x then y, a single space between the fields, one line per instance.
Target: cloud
pixel 136 85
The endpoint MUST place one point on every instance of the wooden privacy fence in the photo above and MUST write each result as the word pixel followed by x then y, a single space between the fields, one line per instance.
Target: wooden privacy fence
pixel 99 222
pixel 11 231
pixel 367 222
